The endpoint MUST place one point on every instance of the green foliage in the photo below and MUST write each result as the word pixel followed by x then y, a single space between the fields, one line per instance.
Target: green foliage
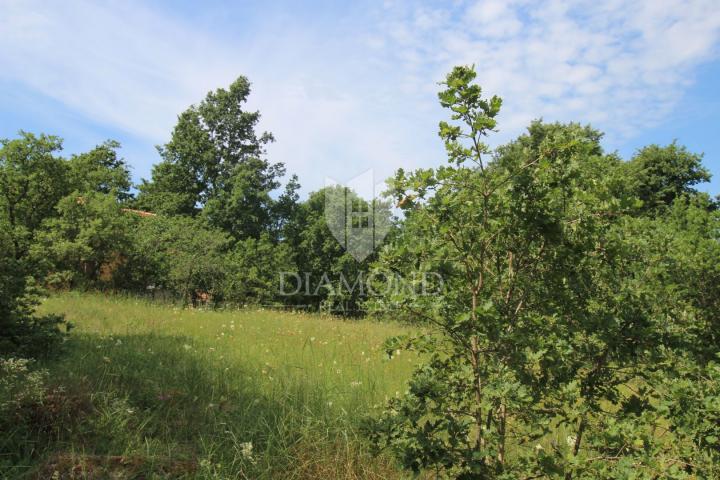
pixel 22 333
pixel 321 259
pixel 658 175
pixel 90 239
pixel 100 170
pixel 179 254
pixel 559 302
pixel 244 207
pixel 13 272
pixel 692 403
pixel 252 269
pixel 32 181
pixel 19 385
pixel 214 163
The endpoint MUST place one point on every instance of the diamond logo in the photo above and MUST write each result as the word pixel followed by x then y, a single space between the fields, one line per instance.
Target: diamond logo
pixel 356 216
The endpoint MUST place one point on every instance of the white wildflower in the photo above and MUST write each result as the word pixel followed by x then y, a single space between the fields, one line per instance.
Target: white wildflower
pixel 246 449
pixel 571 439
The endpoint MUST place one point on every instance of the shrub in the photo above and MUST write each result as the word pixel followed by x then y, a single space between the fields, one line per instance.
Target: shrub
pixel 19 385
pixel 21 333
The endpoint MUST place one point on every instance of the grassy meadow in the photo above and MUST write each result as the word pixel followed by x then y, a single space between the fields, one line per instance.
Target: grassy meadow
pixel 152 391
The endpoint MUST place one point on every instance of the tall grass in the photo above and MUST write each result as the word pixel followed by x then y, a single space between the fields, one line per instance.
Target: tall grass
pixel 152 391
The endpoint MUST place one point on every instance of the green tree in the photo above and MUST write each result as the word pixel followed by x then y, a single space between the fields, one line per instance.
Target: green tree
pixel 252 271
pixel 181 255
pixel 88 242
pixel 285 209
pixel 244 208
pixel 101 170
pixel 541 346
pixel 330 277
pixel 215 160
pixel 21 332
pixel 658 175
pixel 32 180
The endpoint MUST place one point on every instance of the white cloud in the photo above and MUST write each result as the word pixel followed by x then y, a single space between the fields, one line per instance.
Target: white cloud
pixel 355 92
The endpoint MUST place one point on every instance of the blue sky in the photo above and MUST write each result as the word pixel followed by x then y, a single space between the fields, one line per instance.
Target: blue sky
pixel 347 87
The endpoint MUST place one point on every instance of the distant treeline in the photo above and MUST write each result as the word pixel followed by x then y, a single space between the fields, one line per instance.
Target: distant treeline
pixel 214 224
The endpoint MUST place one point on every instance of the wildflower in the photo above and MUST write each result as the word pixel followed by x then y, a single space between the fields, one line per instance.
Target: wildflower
pixel 187 347
pixel 538 447
pixel 312 339
pixel 106 359
pixel 571 439
pixel 355 384
pixel 246 449
pixel 118 342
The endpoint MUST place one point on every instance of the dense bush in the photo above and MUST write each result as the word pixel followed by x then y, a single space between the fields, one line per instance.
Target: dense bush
pixel 21 332
pixel 89 240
